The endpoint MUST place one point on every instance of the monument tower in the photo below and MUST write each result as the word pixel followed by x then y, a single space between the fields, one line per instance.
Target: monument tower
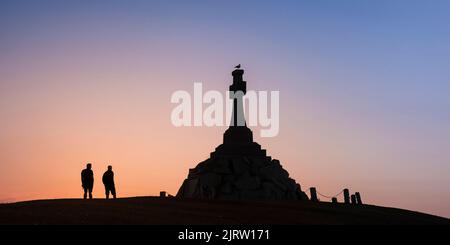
pixel 239 168
pixel 238 138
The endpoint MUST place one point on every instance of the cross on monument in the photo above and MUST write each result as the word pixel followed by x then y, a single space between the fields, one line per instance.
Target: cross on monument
pixel 238 132
pixel 237 90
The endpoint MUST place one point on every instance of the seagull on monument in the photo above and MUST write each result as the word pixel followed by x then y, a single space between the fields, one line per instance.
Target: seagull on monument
pixel 238 66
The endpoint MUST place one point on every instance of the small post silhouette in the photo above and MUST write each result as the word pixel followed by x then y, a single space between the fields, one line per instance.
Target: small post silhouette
pixel 334 200
pixel 346 196
pixel 353 197
pixel 358 198
pixel 162 194
pixel 313 193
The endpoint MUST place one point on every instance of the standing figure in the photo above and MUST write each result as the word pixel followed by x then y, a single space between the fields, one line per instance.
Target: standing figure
pixel 108 181
pixel 87 180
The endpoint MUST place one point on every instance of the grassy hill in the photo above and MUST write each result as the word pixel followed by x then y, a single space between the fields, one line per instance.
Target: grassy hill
pixel 154 210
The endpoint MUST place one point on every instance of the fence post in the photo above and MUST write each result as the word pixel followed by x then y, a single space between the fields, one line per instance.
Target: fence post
pixel 346 196
pixel 162 194
pixel 313 193
pixel 334 200
pixel 353 197
pixel 358 198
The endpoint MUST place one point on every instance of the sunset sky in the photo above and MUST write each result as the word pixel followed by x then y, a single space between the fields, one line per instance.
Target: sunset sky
pixel 364 93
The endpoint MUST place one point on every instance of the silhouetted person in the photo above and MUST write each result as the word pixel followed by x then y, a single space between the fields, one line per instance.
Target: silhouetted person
pixel 87 180
pixel 108 181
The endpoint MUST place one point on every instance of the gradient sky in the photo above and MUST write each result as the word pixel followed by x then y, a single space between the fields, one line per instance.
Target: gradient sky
pixel 364 89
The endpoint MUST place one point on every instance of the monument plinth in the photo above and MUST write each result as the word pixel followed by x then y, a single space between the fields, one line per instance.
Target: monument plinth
pixel 239 168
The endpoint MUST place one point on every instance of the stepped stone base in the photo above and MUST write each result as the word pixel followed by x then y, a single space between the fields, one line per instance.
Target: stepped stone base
pixel 240 172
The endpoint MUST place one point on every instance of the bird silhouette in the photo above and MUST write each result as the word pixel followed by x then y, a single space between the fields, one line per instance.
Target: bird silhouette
pixel 238 66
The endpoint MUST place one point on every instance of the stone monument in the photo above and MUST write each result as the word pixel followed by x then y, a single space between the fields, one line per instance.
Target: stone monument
pixel 239 169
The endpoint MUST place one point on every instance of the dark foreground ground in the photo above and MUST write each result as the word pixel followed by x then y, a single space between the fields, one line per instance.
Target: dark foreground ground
pixel 153 210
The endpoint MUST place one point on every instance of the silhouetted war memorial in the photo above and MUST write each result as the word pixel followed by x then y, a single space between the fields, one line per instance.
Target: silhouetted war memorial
pixel 239 168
